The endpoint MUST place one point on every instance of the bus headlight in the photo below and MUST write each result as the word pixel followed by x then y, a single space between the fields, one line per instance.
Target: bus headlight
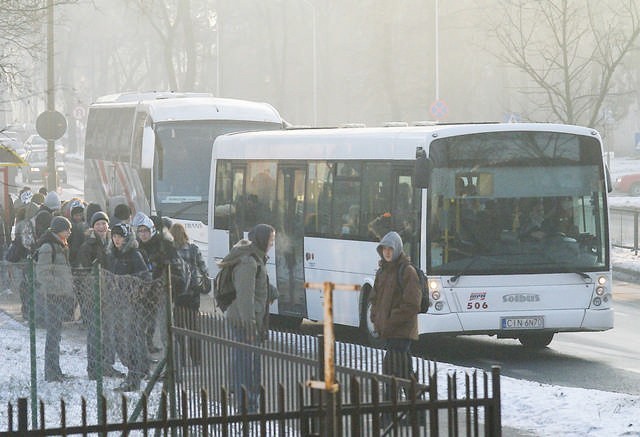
pixel 602 280
pixel 439 305
pixel 435 295
pixel 600 291
pixel 597 301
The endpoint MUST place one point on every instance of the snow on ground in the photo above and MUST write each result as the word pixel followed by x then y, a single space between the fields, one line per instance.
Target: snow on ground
pixel 530 407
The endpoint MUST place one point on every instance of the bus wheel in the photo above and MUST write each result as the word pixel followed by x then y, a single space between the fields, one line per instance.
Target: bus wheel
pixel 536 341
pixel 285 323
pixel 366 325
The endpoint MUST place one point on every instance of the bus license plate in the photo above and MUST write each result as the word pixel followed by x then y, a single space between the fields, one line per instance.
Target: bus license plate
pixel 533 322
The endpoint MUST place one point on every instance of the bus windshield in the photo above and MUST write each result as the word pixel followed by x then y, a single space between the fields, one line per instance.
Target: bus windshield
pixel 523 202
pixel 182 164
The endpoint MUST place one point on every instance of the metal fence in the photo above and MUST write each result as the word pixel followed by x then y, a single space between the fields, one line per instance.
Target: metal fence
pixel 623 227
pixel 205 357
pixel 412 416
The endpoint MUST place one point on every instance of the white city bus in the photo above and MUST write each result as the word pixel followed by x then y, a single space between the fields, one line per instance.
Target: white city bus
pixel 152 151
pixel 509 221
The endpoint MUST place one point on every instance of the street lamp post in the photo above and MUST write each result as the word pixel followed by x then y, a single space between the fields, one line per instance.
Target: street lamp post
pixel 314 61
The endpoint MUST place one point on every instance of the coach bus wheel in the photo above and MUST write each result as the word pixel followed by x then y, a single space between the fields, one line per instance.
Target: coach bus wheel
pixel 366 325
pixel 536 341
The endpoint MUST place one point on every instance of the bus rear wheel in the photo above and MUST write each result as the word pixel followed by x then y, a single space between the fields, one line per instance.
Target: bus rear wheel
pixel 366 325
pixel 536 341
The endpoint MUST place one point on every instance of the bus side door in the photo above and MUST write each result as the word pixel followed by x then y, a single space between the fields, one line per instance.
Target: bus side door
pixel 289 244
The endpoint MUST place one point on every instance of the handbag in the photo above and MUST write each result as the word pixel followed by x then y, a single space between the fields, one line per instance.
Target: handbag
pixel 16 252
pixel 200 281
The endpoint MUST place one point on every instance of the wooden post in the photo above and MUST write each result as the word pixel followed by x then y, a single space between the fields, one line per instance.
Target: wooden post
pixel 329 385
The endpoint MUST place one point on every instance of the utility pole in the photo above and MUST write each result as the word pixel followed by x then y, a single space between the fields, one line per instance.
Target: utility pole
pixel 52 183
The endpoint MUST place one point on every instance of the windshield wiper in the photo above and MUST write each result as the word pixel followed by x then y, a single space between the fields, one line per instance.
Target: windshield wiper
pixel 462 271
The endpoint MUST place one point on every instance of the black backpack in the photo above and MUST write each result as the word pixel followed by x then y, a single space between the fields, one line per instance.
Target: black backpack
pixel 422 281
pixel 224 292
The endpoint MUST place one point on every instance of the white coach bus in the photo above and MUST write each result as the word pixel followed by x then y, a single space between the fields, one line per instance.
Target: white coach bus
pixel 509 221
pixel 152 151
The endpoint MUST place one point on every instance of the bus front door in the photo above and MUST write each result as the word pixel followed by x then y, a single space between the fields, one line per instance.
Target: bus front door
pixel 289 243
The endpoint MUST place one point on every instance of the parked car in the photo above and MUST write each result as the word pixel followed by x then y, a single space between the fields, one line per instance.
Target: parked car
pixel 36 157
pixel 35 141
pixel 628 184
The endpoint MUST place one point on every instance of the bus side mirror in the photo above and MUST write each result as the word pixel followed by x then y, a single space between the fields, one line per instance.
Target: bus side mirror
pixel 148 146
pixel 422 169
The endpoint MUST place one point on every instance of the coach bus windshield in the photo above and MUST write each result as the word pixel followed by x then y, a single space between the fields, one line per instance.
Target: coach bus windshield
pixel 517 202
pixel 182 164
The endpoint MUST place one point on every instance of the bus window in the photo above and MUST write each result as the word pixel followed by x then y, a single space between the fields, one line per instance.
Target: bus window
pixel 318 199
pixel 260 193
pixel 224 210
pixel 376 200
pixel 346 199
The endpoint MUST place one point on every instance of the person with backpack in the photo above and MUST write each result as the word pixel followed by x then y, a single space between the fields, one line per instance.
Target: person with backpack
pixel 248 313
pixel 55 285
pixel 188 304
pixel 20 248
pixel 124 258
pixel 395 304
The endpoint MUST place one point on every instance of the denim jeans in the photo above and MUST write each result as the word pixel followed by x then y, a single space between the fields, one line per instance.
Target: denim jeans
pixel 247 369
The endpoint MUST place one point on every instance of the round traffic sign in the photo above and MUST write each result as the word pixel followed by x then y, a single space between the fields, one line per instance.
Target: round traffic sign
pixel 79 112
pixel 51 125
pixel 439 109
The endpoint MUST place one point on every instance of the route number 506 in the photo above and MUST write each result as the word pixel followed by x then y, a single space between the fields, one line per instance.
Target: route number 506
pixel 477 306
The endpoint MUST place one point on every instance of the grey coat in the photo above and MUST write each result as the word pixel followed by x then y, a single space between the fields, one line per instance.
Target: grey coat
pixel 252 287
pixel 53 273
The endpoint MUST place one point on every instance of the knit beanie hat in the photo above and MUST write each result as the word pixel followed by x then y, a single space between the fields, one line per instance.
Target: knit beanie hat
pixel 99 215
pixel 121 229
pixel 52 201
pixel 76 207
pixel 26 196
pixel 38 198
pixel 60 224
pixel 141 219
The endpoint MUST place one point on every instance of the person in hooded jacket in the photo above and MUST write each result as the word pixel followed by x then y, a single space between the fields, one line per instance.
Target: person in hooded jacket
pixel 395 304
pixel 156 245
pixel 249 312
pixel 54 283
pixel 94 251
pixel 124 258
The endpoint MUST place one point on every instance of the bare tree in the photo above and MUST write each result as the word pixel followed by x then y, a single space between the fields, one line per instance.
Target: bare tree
pixel 20 35
pixel 571 50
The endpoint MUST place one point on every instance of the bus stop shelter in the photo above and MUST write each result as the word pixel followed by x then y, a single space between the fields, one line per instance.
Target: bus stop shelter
pixel 8 159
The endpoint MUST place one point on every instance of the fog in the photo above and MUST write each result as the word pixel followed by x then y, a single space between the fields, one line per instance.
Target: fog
pixel 330 62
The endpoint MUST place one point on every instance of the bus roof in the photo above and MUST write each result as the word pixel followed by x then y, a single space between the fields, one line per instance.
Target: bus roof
pixel 163 107
pixel 356 143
